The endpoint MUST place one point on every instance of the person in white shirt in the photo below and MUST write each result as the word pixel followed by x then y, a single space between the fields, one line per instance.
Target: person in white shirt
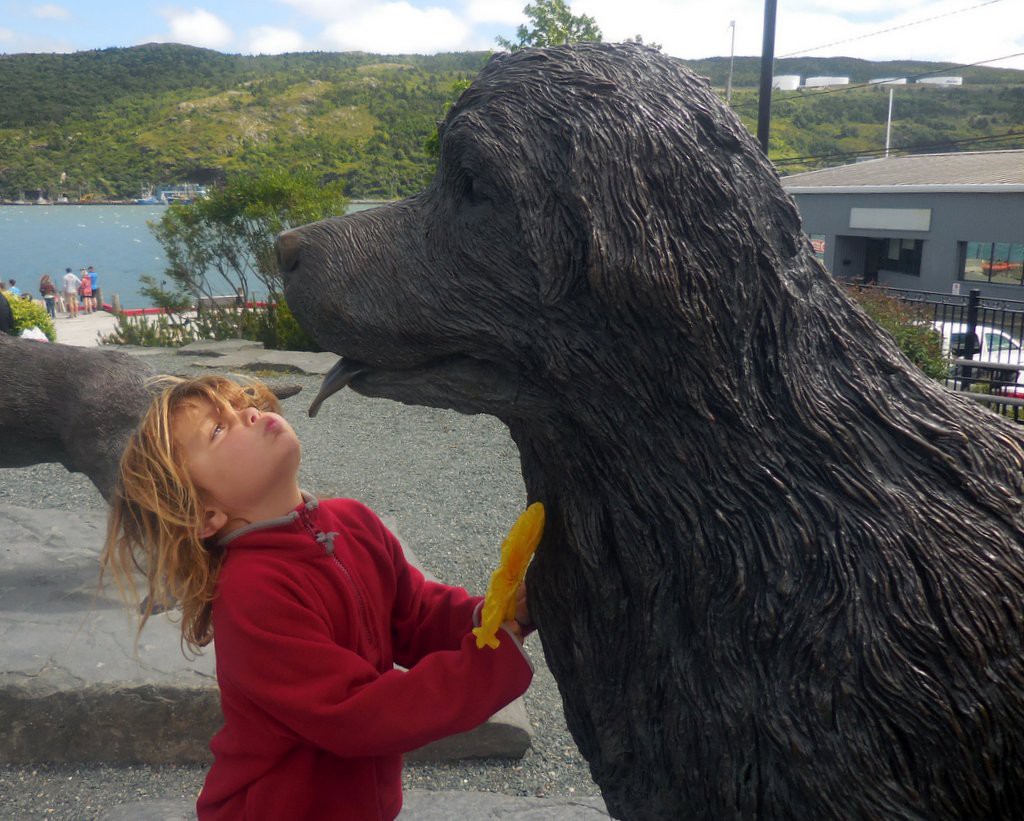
pixel 71 283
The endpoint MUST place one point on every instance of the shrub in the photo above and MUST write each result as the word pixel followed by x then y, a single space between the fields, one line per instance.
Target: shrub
pixel 290 335
pixel 275 327
pixel 28 314
pixel 159 331
pixel 909 324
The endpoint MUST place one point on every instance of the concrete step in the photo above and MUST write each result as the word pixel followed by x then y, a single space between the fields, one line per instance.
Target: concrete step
pixel 419 805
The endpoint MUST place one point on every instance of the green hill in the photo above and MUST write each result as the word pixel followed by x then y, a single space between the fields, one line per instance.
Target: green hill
pixel 118 120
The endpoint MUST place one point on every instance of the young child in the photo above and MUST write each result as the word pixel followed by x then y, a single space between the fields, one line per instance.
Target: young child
pixel 311 604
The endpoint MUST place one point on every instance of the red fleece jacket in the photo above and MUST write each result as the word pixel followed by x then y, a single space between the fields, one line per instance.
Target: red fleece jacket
pixel 315 715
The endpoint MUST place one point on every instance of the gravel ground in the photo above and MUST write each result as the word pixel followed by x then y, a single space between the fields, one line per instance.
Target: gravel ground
pixel 450 483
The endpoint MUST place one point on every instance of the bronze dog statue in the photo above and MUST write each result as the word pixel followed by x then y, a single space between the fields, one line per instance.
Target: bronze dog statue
pixel 783 572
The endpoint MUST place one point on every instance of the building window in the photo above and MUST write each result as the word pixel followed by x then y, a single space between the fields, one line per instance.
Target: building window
pixel 1001 263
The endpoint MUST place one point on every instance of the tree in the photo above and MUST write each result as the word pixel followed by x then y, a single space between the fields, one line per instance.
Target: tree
pixel 225 242
pixel 554 24
pixel 432 145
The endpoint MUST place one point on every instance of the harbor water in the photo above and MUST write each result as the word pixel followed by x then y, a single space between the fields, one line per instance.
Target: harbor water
pixel 114 239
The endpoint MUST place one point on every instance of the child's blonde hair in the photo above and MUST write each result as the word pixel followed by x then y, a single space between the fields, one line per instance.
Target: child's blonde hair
pixel 156 514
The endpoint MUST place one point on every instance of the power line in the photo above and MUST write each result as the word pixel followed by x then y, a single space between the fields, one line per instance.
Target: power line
pixel 855 86
pixel 880 152
pixel 891 28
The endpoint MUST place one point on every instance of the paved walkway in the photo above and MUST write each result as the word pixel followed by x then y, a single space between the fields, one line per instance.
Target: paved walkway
pixel 84 330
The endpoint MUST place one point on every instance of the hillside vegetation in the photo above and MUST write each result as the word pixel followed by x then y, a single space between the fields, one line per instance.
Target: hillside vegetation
pixel 113 122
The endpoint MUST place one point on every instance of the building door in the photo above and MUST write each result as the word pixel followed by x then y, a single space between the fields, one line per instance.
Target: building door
pixel 875 250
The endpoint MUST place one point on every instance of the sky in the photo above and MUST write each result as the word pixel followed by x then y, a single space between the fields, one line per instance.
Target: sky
pixel 965 31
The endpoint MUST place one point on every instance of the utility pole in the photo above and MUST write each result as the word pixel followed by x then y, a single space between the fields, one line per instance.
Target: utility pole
pixel 732 52
pixel 764 101
pixel 888 123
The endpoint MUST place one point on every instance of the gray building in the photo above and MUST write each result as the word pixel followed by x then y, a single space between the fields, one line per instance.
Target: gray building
pixel 931 222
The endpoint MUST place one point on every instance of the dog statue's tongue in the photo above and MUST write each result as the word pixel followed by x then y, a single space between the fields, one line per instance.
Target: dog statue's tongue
pixel 337 378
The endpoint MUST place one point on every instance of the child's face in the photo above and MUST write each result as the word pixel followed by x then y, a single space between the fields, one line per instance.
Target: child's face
pixel 246 462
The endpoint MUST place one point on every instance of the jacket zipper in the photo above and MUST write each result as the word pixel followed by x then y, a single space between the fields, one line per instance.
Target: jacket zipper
pixel 327 540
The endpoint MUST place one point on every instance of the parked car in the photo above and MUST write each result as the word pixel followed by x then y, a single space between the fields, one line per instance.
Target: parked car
pixel 989 345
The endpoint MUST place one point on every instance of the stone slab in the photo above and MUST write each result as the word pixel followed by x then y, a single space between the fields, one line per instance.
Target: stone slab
pixel 140 350
pixel 506 734
pixel 218 347
pixel 418 805
pixel 76 685
pixel 260 360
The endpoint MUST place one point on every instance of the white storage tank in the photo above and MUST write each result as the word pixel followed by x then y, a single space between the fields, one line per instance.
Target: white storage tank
pixel 888 81
pixel 818 82
pixel 942 81
pixel 786 82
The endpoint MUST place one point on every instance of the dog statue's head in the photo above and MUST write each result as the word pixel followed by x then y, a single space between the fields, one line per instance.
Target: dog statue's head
pixel 582 192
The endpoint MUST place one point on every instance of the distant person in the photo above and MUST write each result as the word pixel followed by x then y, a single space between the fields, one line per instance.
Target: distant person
pixel 94 278
pixel 48 291
pixel 85 290
pixel 12 288
pixel 71 284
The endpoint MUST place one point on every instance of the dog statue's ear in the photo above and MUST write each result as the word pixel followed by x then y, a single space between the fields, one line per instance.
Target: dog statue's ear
pixel 563 250
pixel 602 229
pixel 558 232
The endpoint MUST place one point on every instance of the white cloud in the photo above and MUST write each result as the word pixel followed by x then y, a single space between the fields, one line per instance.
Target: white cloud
pixel 504 12
pixel 50 11
pixel 399 28
pixel 197 28
pixel 685 28
pixel 273 40
pixel 330 10
pixel 692 29
pixel 968 37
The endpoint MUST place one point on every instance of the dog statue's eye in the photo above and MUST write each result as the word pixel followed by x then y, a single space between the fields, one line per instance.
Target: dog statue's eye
pixel 475 192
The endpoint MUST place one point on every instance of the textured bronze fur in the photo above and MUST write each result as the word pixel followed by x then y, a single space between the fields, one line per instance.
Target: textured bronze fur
pixel 783 573
pixel 75 406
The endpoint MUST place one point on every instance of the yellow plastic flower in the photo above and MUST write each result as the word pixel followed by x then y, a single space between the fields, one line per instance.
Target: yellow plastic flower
pixel 516 552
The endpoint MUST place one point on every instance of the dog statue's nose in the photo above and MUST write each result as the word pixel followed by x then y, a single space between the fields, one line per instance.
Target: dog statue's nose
pixel 287 246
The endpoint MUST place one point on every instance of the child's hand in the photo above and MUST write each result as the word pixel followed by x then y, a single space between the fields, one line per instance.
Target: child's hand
pixel 515 629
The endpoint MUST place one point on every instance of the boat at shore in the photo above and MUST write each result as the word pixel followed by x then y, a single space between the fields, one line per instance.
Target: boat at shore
pixel 184 194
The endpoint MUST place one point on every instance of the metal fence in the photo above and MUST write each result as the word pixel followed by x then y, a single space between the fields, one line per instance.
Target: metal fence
pixel 983 340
